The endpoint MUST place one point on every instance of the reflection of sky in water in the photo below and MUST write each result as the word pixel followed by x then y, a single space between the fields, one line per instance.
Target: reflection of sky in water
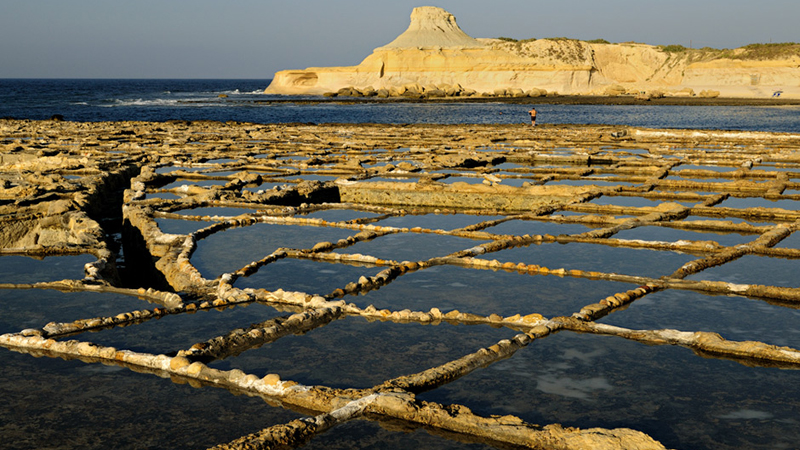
pixel 266 186
pixel 470 180
pixel 168 169
pixel 215 211
pixel 637 202
pixel 595 257
pixel 622 151
pixel 314 177
pixel 486 292
pixel 792 241
pixel 232 249
pixel 338 215
pixel 287 157
pixel 678 398
pixel 452 171
pixel 435 221
pixel 34 308
pixel 700 180
pixel 354 352
pixel 176 226
pixel 311 277
pixel 411 246
pixel 40 396
pixel 517 182
pixel 655 233
pixel 162 195
pixel 534 227
pixel 751 269
pixel 509 165
pixel 735 318
pixel 568 213
pixel 394 162
pixel 181 182
pixel 24 269
pixel 753 222
pixel 220 173
pixel 758 202
pixel 177 332
pixel 682 167
pixel 771 168
pixel 589 181
pixel 394 180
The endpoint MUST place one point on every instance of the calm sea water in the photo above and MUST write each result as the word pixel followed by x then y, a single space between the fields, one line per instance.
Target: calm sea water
pixel 159 100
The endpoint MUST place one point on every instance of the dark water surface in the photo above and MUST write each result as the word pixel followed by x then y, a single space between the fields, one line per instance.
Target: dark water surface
pixel 685 401
pixel 159 100
pixel 52 403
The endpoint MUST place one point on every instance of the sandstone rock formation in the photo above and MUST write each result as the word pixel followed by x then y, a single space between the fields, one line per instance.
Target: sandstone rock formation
pixel 435 58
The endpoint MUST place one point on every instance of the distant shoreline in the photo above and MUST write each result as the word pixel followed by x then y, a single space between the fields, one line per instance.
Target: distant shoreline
pixel 557 100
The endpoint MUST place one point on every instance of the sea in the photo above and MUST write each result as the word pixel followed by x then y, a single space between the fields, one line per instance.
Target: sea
pixel 240 100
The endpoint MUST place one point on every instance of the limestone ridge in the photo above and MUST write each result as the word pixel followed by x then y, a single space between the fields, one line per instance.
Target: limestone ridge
pixel 435 58
pixel 433 27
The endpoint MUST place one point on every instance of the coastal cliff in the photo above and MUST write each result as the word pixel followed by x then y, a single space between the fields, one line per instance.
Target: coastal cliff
pixel 435 58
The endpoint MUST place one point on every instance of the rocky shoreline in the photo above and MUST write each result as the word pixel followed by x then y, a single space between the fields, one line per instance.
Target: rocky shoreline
pixel 554 100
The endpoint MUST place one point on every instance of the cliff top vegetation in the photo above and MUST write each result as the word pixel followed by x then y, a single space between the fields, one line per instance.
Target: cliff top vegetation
pixel 757 51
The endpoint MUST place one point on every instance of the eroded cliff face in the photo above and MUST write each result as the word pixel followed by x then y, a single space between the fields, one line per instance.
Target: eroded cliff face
pixel 435 54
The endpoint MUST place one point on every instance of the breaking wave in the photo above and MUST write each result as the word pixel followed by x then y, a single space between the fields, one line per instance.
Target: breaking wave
pixel 141 102
pixel 238 92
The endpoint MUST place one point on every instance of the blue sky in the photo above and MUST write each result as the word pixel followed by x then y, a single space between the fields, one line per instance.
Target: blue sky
pixel 256 38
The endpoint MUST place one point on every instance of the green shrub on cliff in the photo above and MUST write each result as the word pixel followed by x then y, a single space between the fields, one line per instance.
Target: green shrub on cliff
pixel 768 51
pixel 673 48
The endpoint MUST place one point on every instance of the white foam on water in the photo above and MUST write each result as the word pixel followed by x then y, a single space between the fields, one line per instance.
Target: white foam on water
pixel 571 387
pixel 141 102
pixel 747 414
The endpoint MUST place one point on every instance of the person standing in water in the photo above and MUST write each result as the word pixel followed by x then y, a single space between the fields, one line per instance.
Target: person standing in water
pixel 532 112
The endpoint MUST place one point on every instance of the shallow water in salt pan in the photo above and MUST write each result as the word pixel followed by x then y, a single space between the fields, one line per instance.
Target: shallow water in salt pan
pixel 751 269
pixel 49 401
pixel 678 398
pixel 667 234
pixel 411 246
pixel 176 226
pixel 595 257
pixel 24 269
pixel 171 333
pixel 435 221
pixel 317 277
pixel 486 292
pixel 215 254
pixel 35 307
pixel 534 227
pixel 340 215
pixel 758 202
pixel 354 352
pixel 733 317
